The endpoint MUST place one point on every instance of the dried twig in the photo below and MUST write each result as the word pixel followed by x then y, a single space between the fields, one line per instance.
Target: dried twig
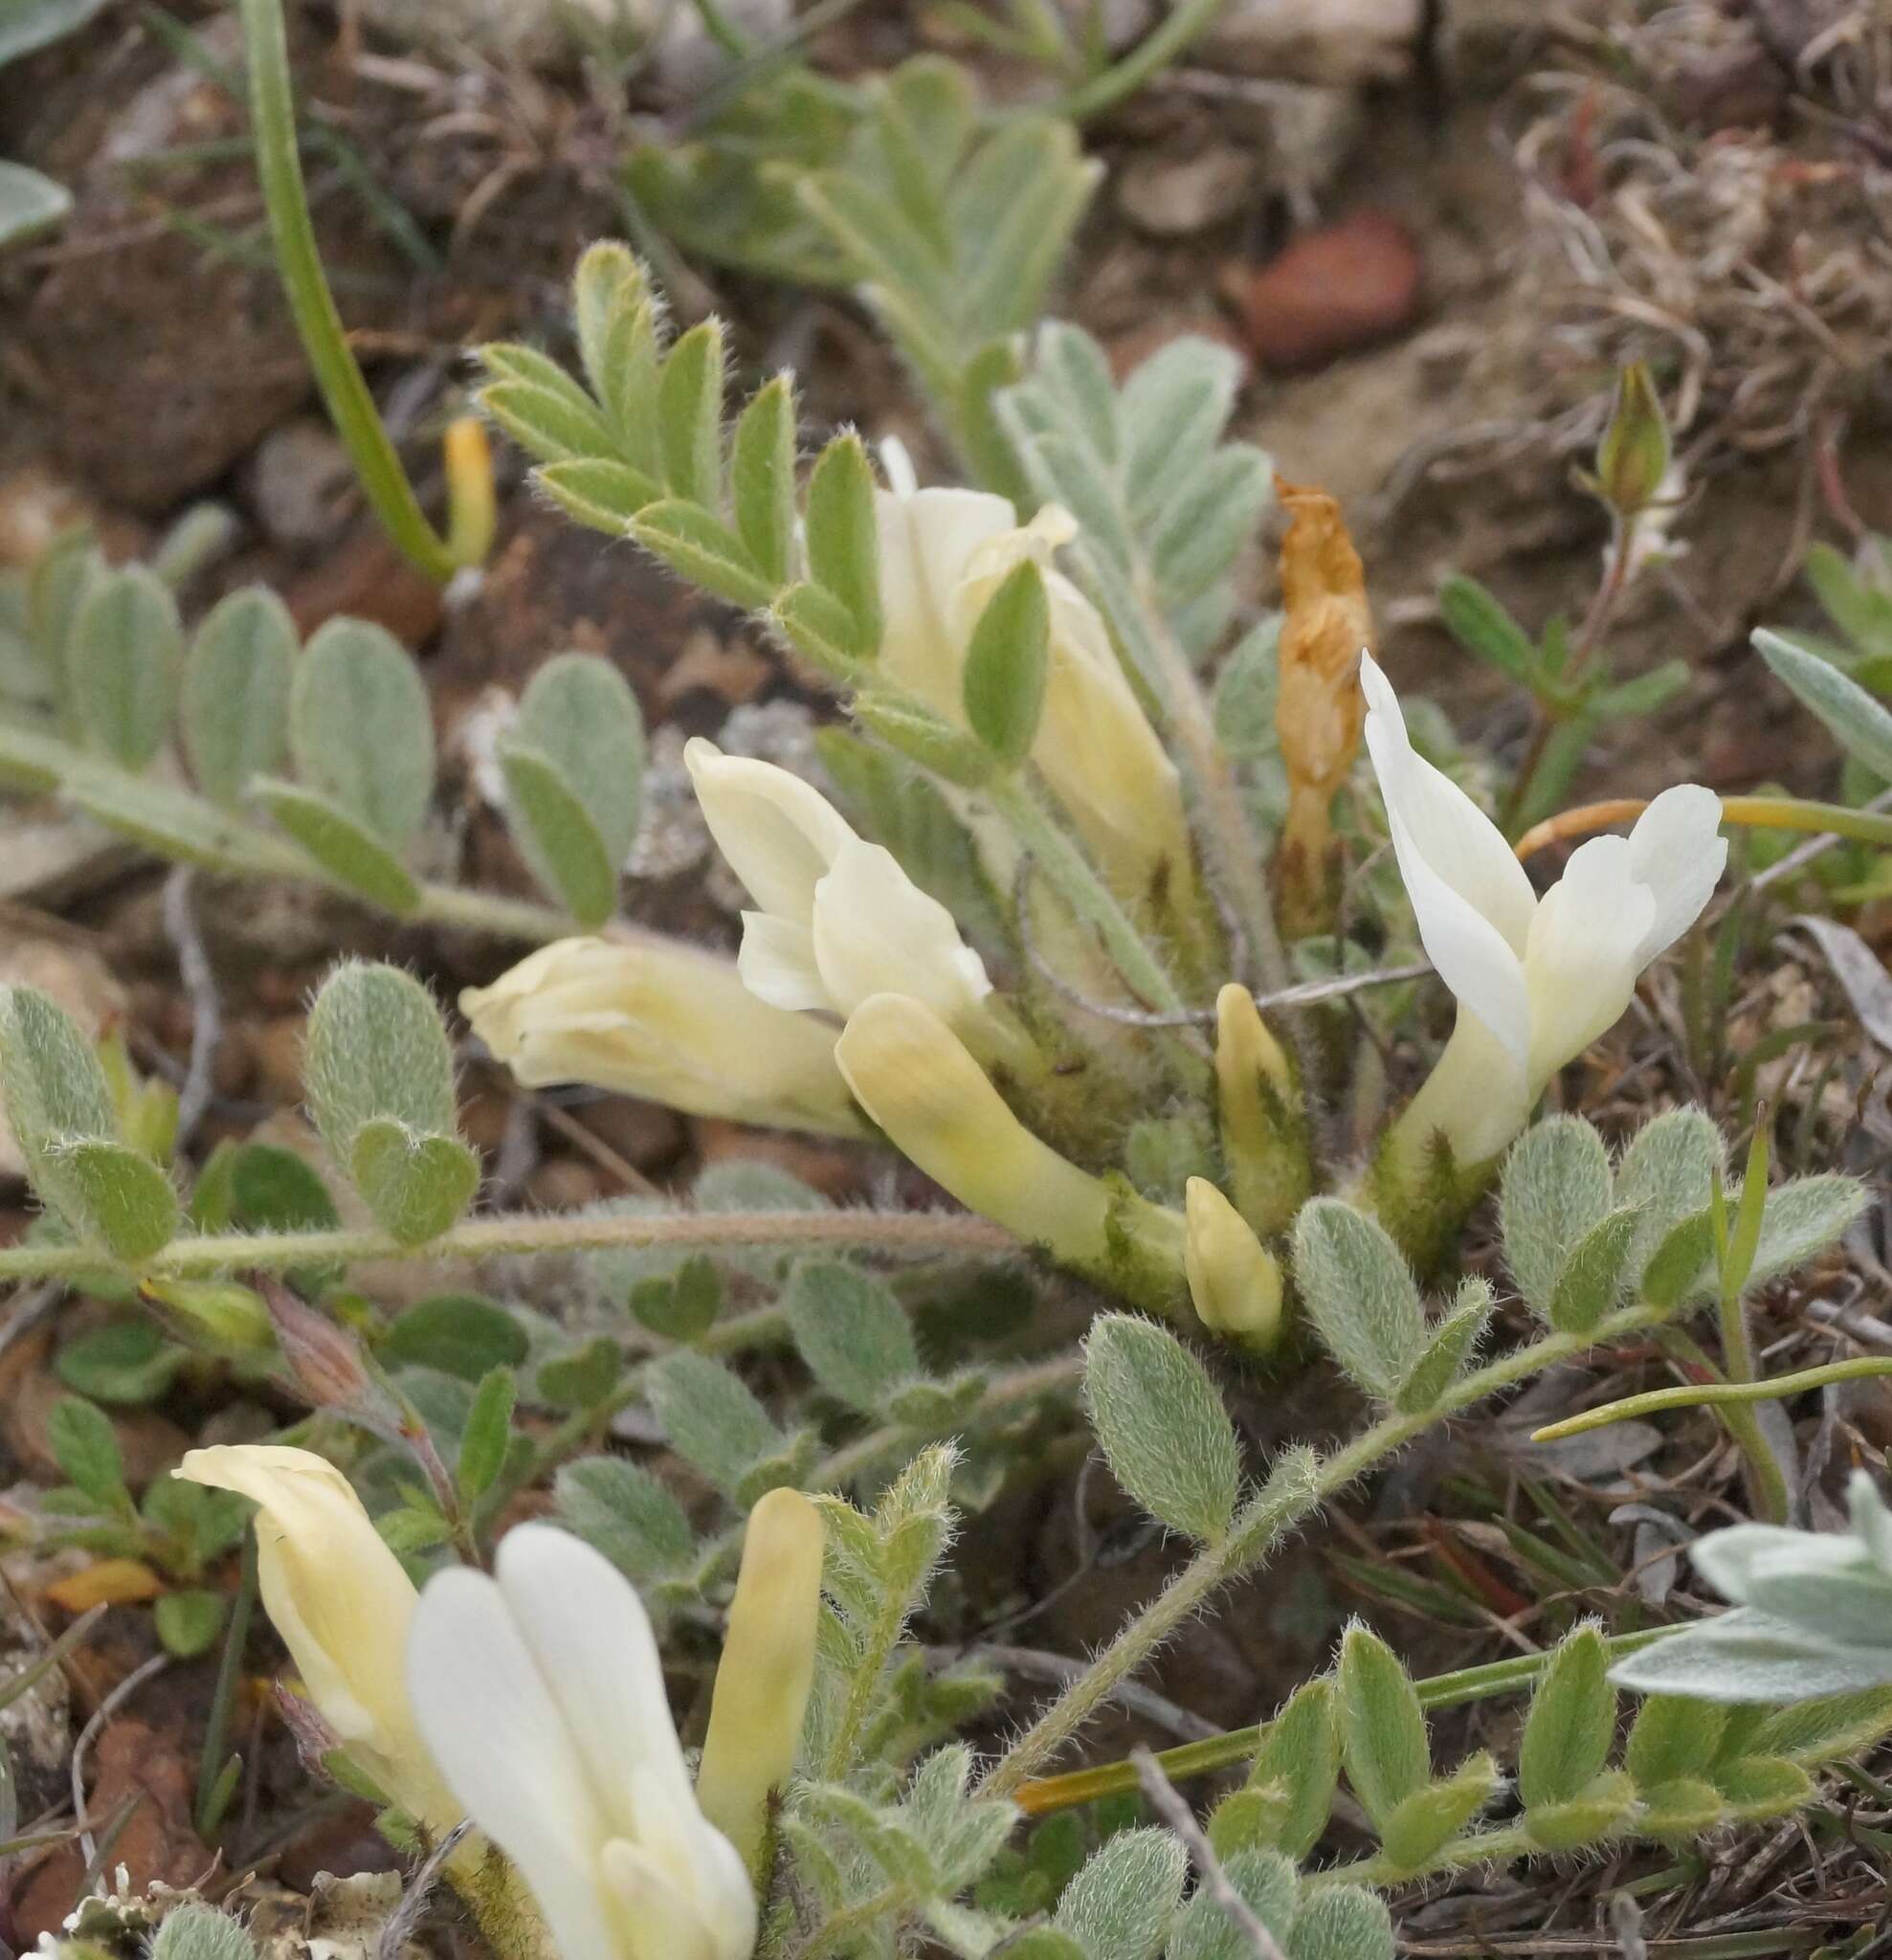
pixel 1168 1803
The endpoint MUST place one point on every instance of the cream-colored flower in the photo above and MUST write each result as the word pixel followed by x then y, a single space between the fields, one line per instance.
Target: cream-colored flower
pixel 768 1667
pixel 540 1695
pixel 837 919
pixel 1537 980
pixel 338 1597
pixel 943 554
pixel 660 1019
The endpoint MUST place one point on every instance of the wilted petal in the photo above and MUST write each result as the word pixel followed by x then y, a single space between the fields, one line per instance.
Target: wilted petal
pixel 877 932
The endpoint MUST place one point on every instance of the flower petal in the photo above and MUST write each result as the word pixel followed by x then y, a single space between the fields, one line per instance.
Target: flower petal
pixel 1470 896
pixel 1677 851
pixel 1585 954
pixel 339 1599
pixel 877 932
pixel 778 833
pixel 777 962
pixel 502 1745
pixel 587 1631
pixel 662 1921
pixel 668 1021
pixel 926 542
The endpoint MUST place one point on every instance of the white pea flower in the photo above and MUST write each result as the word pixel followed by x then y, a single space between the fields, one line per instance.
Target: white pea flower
pixel 943 554
pixel 837 919
pixel 663 1020
pixel 1537 980
pixel 540 1696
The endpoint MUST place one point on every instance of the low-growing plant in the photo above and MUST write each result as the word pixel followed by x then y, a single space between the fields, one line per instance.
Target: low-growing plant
pixel 1075 936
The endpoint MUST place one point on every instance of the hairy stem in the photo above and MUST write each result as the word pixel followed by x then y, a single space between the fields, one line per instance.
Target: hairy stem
pixel 902 1233
pixel 1261 1522
pixel 1044 1795
pixel 1235 853
pixel 850 1922
pixel 1070 874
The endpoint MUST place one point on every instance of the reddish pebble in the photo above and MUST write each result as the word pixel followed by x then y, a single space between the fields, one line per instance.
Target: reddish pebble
pixel 1347 286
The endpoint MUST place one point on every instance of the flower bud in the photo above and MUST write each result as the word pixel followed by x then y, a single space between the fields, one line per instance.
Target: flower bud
pixel 1633 457
pixel 768 1667
pixel 1264 1122
pixel 656 1018
pixel 1234 1281
pixel 222 1312
pixel 1319 708
pixel 915 1078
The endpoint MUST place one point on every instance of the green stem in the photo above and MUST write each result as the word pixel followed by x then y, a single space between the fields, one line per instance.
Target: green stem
pixel 1235 858
pixel 1270 1513
pixel 190 829
pixel 852 1919
pixel 1071 875
pixel 311 303
pixel 907 1233
pixel 1015 1384
pixel 1476 1847
pixel 1189 21
pixel 1236 1745
pixel 1715 1395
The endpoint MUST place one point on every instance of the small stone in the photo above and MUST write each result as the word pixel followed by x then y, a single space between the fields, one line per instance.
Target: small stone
pixel 1328 41
pixel 1171 196
pixel 301 483
pixel 367 577
pixel 1350 285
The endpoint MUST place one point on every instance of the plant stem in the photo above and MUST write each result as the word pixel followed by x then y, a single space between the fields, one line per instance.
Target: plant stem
pixel 1757 812
pixel 190 829
pixel 1715 1395
pixel 1476 1847
pixel 1233 850
pixel 1191 20
pixel 1261 1524
pixel 1071 875
pixel 851 1920
pixel 324 340
pixel 907 1233
pixel 1015 1384
pixel 1047 1794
